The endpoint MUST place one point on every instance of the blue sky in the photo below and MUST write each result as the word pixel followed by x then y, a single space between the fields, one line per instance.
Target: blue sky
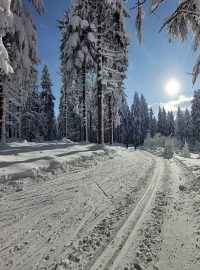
pixel 151 65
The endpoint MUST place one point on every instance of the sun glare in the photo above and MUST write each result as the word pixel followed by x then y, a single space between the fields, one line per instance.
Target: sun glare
pixel 172 87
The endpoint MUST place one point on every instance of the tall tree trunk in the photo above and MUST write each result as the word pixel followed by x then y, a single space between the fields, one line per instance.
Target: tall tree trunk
pixel 85 124
pixel 100 133
pixel 90 126
pixel 81 132
pixel 65 132
pixel 2 114
pixel 110 122
pixel 19 124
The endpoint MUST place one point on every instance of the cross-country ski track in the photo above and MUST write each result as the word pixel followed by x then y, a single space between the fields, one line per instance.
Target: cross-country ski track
pixel 126 212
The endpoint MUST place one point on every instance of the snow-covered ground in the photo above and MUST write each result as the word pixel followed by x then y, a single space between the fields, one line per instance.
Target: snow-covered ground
pixel 23 160
pixel 116 209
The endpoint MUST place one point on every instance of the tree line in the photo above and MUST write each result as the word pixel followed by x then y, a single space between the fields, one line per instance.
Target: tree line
pixel 94 59
pixel 138 122
pixel 38 121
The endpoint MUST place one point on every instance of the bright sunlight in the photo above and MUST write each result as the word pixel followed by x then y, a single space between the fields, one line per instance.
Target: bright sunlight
pixel 172 87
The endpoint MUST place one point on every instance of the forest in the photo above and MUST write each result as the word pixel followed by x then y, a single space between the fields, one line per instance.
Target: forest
pixel 94 175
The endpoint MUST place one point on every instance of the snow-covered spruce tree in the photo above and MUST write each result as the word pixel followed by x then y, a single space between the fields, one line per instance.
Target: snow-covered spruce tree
pixel 114 64
pixel 170 124
pixel 196 115
pixel 32 118
pixel 70 112
pixel 152 123
pixel 121 133
pixel 184 20
pixel 144 111
pixel 5 67
pixel 113 107
pixel 162 122
pixel 61 118
pixel 77 50
pixel 23 55
pixel 63 106
pixel 135 120
pixel 180 125
pixel 112 42
pixel 92 107
pixel 154 126
pixel 114 94
pixel 101 40
pixel 139 119
pixel 19 43
pixel 47 106
pixel 159 126
pixel 188 127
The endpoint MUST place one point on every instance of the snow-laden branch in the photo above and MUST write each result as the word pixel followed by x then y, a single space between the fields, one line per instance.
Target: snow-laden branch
pixel 196 70
pixel 5 25
pixel 139 21
pixel 38 4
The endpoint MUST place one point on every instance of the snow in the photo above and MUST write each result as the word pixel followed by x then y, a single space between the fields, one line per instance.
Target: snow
pixel 5 22
pixel 92 38
pixel 23 160
pixel 5 5
pixel 84 24
pixel 155 4
pixel 75 21
pixel 118 208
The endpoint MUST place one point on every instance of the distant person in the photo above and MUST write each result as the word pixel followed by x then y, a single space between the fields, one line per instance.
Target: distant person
pixel 126 145
pixel 135 146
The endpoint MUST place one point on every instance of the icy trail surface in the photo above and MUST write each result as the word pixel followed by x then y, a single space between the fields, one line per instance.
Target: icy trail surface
pixel 127 211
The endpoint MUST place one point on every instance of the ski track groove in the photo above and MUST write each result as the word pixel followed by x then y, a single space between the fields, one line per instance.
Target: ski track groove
pixel 46 207
pixel 120 241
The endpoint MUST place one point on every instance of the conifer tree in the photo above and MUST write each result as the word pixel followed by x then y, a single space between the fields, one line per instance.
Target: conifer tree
pixel 196 115
pixel 159 120
pixel 152 123
pixel 47 106
pixel 180 125
pixel 136 120
pixel 32 118
pixel 124 127
pixel 188 126
pixel 18 44
pixel 144 118
pixel 77 51
pixel 170 124
pixel 112 42
pixel 94 40
pixel 154 126
pixel 162 121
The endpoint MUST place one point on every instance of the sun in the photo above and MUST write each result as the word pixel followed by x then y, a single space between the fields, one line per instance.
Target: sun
pixel 173 87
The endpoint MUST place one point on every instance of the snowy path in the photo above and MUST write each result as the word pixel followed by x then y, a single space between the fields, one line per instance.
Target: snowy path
pixel 117 249
pixel 179 248
pixel 51 214
pixel 123 213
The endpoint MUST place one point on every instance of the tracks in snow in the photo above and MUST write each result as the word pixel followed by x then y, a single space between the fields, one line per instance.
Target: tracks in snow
pixel 111 256
pixel 42 221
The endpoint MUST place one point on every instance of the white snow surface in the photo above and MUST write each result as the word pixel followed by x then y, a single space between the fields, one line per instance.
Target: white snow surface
pixel 22 160
pixel 111 209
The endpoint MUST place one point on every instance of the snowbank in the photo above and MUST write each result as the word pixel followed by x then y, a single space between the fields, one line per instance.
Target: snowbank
pixel 23 160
